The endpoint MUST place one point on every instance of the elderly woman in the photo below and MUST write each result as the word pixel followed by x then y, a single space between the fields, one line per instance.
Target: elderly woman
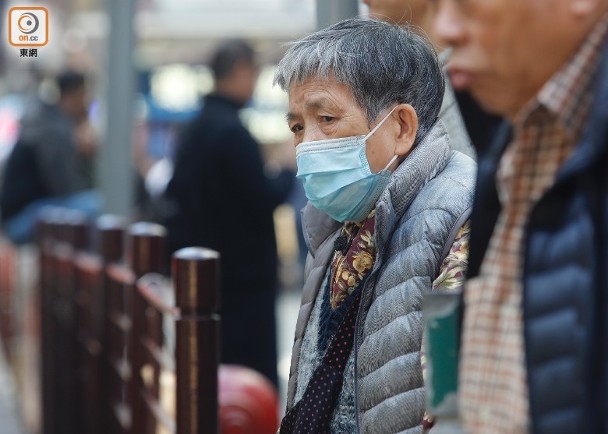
pixel 385 223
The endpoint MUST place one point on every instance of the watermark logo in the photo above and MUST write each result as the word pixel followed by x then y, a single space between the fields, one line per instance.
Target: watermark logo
pixel 28 26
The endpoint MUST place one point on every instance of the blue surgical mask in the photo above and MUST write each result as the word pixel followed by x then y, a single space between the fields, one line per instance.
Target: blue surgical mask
pixel 337 178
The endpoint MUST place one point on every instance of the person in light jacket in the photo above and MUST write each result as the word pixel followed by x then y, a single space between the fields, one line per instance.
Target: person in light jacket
pixel 386 222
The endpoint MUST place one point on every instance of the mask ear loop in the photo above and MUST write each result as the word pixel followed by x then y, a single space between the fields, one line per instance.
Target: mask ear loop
pixel 390 162
pixel 371 133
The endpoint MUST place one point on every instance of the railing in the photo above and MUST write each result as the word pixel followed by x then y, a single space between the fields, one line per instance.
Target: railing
pixel 191 311
pixel 121 346
pixel 104 348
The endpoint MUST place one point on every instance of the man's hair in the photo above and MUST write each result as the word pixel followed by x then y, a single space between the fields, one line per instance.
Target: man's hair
pixel 382 64
pixel 227 55
pixel 69 81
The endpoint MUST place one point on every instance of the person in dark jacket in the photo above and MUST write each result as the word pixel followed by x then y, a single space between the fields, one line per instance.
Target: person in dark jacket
pixel 533 356
pixel 224 200
pixel 52 162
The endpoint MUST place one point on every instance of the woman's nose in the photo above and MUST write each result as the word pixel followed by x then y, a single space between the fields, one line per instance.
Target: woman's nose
pixel 312 134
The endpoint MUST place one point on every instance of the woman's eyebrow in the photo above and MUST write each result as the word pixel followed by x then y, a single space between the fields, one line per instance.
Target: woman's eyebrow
pixel 312 104
pixel 291 116
pixel 319 102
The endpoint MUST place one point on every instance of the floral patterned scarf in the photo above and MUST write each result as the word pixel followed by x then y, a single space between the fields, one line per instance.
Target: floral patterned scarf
pixel 354 260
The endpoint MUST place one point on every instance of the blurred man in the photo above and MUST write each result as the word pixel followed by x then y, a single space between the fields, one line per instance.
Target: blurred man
pixel 416 12
pixel 225 201
pixel 52 162
pixel 464 120
pixel 534 339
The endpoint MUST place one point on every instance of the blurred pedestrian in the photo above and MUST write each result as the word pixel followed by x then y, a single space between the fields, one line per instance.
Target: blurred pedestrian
pixel 534 340
pixel 52 161
pixel 467 124
pixel 387 212
pixel 224 200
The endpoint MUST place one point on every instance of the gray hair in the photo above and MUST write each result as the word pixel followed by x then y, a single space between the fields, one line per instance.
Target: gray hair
pixel 382 64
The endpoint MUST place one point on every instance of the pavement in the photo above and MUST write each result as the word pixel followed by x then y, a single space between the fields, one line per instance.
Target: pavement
pixel 10 420
pixel 288 305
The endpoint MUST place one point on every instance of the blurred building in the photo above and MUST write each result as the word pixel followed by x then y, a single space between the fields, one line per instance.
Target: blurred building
pixel 173 39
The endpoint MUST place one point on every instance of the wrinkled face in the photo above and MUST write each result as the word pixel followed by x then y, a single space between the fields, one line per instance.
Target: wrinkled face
pixel 505 50
pixel 399 11
pixel 321 109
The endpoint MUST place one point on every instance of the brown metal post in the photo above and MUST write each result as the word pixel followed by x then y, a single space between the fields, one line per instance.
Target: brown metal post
pixel 110 239
pixel 88 286
pixel 45 228
pixel 8 282
pixel 57 340
pixel 195 273
pixel 147 247
pixel 77 229
pixel 147 253
pixel 71 419
pixel 110 232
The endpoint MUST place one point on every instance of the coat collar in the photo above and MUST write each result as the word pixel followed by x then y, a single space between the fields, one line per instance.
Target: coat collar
pixel 222 100
pixel 594 141
pixel 424 162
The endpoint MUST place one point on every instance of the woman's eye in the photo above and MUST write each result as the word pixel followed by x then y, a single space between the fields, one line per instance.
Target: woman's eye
pixel 327 118
pixel 296 128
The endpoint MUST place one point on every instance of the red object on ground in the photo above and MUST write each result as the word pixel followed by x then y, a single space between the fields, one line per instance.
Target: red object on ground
pixel 248 402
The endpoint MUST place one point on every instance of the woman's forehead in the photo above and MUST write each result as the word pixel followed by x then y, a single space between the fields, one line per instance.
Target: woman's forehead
pixel 321 91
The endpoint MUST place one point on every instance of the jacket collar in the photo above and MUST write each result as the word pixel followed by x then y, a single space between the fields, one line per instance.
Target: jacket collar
pixel 426 160
pixel 217 99
pixel 595 136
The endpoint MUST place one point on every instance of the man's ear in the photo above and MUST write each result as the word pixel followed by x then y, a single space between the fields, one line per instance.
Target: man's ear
pixel 408 127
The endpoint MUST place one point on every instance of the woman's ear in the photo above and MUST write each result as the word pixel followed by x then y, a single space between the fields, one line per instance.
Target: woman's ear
pixel 408 127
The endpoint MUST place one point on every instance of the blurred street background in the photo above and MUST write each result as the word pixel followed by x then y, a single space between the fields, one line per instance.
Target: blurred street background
pixel 148 64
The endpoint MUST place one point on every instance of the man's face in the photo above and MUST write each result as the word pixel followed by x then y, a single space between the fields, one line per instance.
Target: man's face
pixel 504 50
pixel 243 80
pixel 75 102
pixel 398 11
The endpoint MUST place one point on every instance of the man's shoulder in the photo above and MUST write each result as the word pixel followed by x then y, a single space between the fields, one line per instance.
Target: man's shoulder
pixel 213 125
pixel 44 121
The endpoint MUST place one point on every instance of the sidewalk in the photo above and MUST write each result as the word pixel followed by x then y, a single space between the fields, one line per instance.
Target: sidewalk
pixel 288 305
pixel 9 413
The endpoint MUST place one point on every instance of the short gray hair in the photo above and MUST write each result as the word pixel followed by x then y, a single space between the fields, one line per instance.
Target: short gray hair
pixel 382 64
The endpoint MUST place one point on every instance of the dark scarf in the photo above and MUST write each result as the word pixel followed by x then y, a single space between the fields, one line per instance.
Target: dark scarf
pixel 354 258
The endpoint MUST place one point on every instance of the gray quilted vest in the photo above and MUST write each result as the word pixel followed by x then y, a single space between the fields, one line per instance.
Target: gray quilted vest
pixel 426 202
